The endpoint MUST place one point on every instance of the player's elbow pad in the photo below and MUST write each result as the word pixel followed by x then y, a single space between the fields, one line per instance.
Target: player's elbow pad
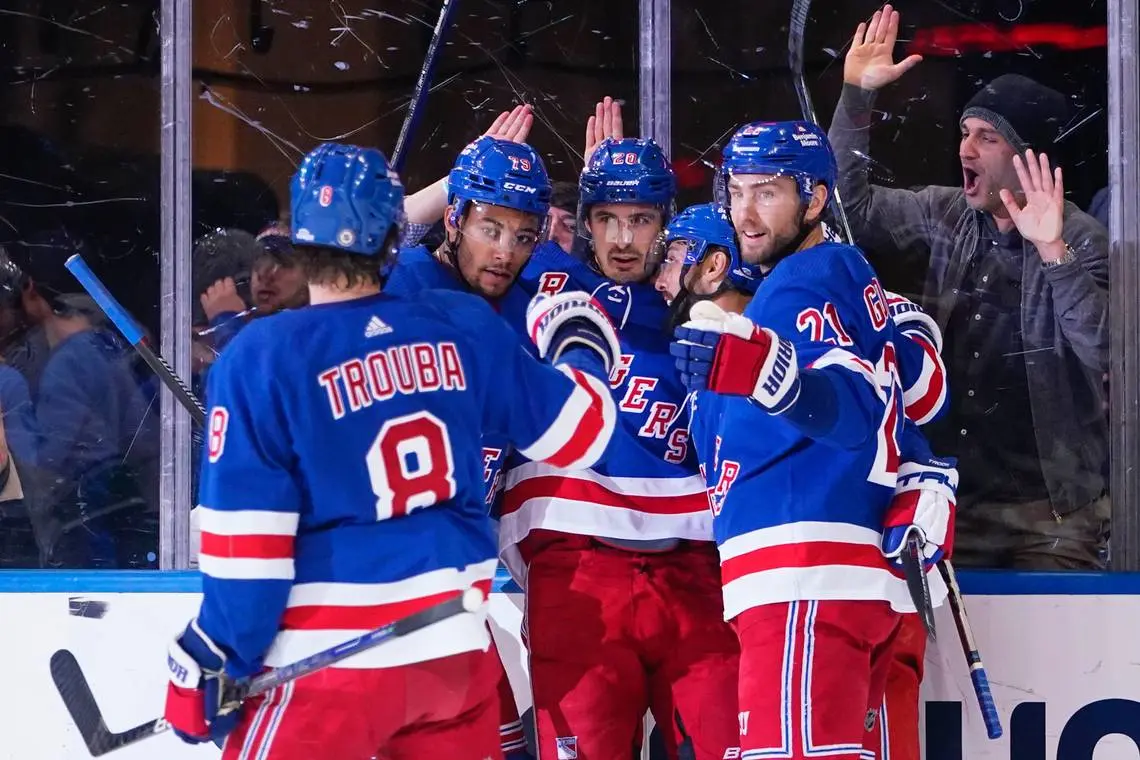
pixel 559 323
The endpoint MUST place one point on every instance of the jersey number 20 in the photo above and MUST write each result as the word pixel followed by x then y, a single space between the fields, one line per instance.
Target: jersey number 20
pixel 410 465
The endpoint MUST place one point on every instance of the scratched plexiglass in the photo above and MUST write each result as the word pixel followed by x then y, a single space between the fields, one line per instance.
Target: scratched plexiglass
pixel 79 173
pixel 1026 347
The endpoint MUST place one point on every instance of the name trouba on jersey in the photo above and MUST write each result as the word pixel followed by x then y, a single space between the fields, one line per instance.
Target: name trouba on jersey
pixel 424 367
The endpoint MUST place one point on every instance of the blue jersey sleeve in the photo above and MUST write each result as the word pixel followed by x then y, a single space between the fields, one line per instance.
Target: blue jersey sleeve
pixel 250 502
pixel 564 416
pixel 840 400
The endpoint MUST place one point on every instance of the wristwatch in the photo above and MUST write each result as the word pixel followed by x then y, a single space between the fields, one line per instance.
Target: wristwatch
pixel 1068 258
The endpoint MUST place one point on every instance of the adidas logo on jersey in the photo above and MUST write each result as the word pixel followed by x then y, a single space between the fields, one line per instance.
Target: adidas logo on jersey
pixel 376 326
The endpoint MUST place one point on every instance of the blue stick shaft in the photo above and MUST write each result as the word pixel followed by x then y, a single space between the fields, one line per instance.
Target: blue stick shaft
pixel 134 335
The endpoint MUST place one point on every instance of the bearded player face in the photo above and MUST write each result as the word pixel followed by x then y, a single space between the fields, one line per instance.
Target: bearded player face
pixel 768 214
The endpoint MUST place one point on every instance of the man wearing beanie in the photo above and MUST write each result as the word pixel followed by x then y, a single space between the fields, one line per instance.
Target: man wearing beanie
pixel 1018 280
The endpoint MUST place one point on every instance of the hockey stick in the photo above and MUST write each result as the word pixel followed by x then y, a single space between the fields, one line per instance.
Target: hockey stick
pixel 419 94
pixel 970 650
pixel 800 9
pixel 84 710
pixel 917 584
pixel 134 335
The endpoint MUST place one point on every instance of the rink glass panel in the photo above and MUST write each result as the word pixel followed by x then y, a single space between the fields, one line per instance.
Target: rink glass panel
pixel 731 67
pixel 79 173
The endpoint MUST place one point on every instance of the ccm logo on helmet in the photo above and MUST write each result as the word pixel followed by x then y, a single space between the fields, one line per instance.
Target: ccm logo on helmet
pixel 519 188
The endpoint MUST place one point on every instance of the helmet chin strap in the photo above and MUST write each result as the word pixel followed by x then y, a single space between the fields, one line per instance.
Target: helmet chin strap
pixel 681 306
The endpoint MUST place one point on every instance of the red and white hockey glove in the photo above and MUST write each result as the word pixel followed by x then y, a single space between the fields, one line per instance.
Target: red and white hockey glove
pixel 727 353
pixel 923 504
pixel 571 319
pixel 194 695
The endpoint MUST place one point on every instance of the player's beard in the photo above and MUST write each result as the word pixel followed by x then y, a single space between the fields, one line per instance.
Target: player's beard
pixel 679 307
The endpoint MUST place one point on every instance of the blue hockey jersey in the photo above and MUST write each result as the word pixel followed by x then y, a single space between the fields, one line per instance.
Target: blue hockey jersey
pixel 647 486
pixel 342 485
pixel 798 504
pixel 418 269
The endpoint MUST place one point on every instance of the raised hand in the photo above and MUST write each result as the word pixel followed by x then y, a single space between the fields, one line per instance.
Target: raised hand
pixel 870 62
pixel 605 123
pixel 1041 218
pixel 513 125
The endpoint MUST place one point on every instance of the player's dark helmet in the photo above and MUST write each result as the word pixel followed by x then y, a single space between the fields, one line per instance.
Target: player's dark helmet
pixel 796 149
pixel 501 173
pixel 702 227
pixel 347 198
pixel 630 170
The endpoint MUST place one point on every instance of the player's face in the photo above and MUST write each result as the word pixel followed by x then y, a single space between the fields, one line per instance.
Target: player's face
pixel 494 245
pixel 623 234
pixel 987 165
pixel 562 228
pixel 668 281
pixel 767 212
pixel 277 285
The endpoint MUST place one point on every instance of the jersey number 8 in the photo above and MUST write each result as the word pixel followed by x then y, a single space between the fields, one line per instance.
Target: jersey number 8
pixel 410 465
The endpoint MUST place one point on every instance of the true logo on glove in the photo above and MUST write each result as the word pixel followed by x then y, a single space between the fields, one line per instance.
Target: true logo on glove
pixel 925 476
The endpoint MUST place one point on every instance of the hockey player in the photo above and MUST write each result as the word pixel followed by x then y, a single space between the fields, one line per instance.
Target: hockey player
pixel 807 375
pixel 342 488
pixel 701 262
pixel 498 197
pixel 620 573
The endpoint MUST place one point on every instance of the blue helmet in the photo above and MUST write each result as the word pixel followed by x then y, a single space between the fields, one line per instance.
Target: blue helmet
pixel 705 225
pixel 347 198
pixel 630 170
pixel 501 173
pixel 797 149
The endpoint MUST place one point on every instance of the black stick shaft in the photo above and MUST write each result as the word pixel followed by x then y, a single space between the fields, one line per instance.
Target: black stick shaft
pixel 419 94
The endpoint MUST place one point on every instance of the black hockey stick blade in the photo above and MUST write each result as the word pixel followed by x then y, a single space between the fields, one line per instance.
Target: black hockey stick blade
pixel 84 710
pixel 918 585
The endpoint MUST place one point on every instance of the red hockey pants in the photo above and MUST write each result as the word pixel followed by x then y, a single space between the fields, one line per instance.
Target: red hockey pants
pixel 812 675
pixel 899 716
pixel 612 633
pixel 440 708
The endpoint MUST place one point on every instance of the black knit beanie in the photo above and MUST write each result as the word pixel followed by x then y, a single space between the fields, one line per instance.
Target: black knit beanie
pixel 1024 112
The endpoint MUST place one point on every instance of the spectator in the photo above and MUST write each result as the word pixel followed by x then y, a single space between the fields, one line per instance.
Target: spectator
pixel 563 214
pixel 1018 280
pixel 222 271
pixel 94 499
pixel 277 282
pixel 1099 207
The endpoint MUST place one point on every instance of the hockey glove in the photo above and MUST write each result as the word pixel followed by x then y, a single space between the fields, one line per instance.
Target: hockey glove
pixel 912 321
pixel 562 321
pixel 923 504
pixel 726 353
pixel 194 694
